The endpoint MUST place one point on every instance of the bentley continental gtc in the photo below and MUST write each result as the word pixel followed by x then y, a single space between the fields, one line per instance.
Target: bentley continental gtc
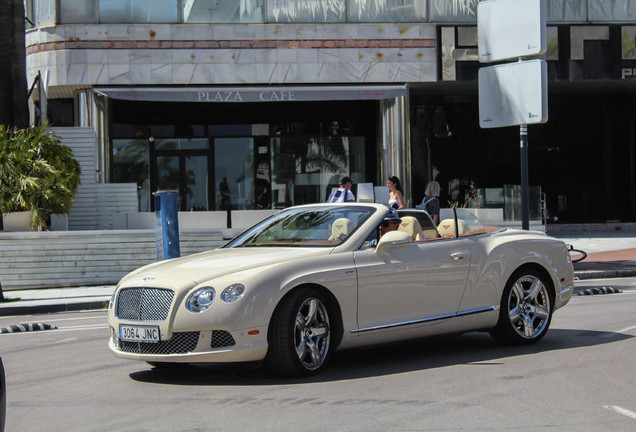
pixel 323 277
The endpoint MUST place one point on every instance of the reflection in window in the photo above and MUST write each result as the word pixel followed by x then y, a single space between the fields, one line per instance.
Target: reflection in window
pixel 453 10
pixel 222 11
pixel 603 10
pixel 77 11
pixel 305 169
pixel 566 10
pixel 139 11
pixel 182 144
pixel 130 165
pixel 234 173
pixel 387 10
pixel 306 11
pixel 43 12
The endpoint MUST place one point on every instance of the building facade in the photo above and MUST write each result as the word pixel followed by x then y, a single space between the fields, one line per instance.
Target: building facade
pixel 261 104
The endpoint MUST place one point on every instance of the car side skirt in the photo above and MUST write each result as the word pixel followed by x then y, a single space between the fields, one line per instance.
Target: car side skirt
pixel 427 320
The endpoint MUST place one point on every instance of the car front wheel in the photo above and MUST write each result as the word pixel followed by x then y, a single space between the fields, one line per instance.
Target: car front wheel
pixel 526 308
pixel 299 336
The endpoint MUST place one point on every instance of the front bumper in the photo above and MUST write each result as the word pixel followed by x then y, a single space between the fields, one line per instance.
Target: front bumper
pixel 213 346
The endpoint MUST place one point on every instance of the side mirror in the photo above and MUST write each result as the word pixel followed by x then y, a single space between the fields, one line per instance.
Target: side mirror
pixel 393 240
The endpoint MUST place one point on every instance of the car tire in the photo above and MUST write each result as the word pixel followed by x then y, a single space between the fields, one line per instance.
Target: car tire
pixel 299 334
pixel 526 308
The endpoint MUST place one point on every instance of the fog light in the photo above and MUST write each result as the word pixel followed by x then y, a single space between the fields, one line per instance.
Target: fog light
pixel 201 299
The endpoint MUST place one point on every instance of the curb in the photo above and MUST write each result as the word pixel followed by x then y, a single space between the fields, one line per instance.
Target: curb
pixel 604 274
pixel 43 309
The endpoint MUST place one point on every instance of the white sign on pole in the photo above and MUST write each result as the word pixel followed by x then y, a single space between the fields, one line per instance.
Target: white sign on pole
pixel 508 29
pixel 513 94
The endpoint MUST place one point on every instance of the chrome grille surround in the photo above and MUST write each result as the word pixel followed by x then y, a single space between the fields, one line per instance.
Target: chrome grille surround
pixel 144 304
pixel 221 338
pixel 180 343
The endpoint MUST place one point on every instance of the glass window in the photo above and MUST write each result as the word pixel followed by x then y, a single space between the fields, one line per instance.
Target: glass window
pixel 234 173
pixel 454 11
pixel 182 144
pixel 306 11
pixel 566 10
pixel 387 10
pixel 305 169
pixel 222 11
pixel 77 11
pixel 139 11
pixel 604 10
pixel 131 165
pixel 43 12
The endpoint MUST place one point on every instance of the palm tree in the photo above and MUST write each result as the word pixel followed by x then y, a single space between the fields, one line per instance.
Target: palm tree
pixel 13 86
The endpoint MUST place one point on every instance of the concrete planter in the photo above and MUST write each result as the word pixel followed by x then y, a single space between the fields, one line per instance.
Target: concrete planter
pixel 18 221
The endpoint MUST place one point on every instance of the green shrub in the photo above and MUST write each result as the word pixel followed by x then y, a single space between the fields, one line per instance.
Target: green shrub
pixel 37 174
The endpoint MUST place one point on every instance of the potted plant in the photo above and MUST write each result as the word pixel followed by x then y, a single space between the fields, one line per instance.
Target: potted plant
pixel 38 175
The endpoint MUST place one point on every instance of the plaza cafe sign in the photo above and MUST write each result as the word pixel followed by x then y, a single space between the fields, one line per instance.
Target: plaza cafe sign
pixel 262 94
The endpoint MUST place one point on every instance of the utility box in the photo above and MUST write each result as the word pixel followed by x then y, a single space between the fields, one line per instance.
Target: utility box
pixel 167 224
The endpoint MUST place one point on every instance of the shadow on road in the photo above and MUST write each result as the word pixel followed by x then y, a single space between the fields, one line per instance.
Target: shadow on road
pixel 422 354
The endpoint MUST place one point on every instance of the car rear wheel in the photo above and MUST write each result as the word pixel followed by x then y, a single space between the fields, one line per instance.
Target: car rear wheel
pixel 526 308
pixel 299 335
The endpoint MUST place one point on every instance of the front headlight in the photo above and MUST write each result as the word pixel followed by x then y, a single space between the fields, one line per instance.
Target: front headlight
pixel 233 293
pixel 111 303
pixel 201 299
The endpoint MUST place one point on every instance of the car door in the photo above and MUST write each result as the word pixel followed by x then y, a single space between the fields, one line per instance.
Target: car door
pixel 423 282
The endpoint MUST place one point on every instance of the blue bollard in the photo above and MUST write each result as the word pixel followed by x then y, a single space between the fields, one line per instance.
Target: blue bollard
pixel 167 224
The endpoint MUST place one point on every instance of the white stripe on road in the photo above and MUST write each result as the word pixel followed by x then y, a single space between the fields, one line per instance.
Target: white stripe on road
pixel 617 332
pixel 619 410
pixel 84 327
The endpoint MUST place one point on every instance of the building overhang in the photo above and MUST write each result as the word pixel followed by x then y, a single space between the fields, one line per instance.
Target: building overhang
pixel 252 94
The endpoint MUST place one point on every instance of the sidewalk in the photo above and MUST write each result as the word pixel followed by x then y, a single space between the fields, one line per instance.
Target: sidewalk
pixel 610 254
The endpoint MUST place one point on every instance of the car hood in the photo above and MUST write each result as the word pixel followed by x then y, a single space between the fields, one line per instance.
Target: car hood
pixel 205 266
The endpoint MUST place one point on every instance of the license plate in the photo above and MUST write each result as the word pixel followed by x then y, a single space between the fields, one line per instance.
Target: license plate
pixel 139 333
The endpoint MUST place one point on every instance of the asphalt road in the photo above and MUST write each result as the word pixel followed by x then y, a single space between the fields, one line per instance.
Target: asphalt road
pixel 580 377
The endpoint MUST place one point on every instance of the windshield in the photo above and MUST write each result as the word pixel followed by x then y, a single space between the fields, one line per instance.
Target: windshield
pixel 326 226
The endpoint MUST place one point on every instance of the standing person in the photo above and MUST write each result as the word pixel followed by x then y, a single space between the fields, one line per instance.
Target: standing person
pixel 343 194
pixel 430 203
pixel 396 194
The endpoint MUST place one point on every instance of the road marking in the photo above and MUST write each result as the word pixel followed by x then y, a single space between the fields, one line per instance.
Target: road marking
pixel 615 333
pixel 76 319
pixel 84 327
pixel 625 330
pixel 619 410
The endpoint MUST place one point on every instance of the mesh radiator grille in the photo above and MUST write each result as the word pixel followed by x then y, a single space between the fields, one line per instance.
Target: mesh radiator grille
pixel 144 304
pixel 180 343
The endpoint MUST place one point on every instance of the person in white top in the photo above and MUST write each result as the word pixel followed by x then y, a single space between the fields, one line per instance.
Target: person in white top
pixel 343 194
pixel 396 194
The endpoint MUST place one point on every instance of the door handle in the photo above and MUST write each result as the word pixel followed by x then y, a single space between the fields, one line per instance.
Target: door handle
pixel 458 255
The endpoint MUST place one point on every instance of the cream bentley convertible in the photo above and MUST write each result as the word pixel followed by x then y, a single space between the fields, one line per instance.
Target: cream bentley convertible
pixel 316 278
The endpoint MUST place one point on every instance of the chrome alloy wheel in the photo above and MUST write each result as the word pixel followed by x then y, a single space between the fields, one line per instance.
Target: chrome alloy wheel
pixel 529 307
pixel 312 333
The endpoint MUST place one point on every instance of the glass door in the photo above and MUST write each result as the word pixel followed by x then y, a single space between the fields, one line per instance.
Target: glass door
pixel 182 165
pixel 187 174
pixel 234 173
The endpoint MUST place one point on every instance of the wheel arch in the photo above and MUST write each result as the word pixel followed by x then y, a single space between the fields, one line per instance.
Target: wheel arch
pixel 335 312
pixel 540 269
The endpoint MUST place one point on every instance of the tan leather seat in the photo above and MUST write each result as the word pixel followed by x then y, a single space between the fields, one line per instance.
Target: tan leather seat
pixel 411 226
pixel 340 228
pixel 446 228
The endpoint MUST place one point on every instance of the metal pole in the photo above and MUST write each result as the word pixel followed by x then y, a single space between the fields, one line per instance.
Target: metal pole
pixel 525 205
